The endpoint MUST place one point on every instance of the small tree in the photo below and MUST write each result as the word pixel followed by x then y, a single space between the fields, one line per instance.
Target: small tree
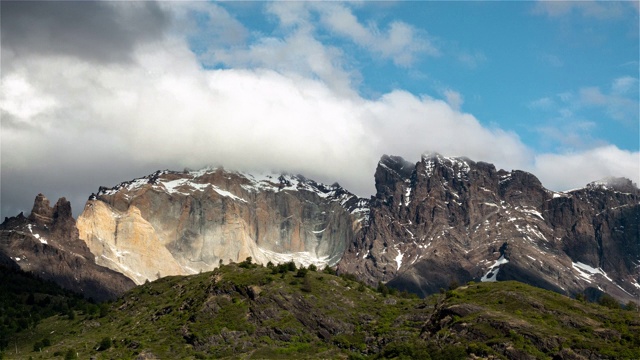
pixel 291 266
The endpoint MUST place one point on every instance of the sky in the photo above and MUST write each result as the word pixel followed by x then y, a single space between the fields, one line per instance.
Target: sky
pixel 96 93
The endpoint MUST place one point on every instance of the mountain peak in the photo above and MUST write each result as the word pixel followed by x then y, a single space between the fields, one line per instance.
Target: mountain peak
pixel 619 184
pixel 42 212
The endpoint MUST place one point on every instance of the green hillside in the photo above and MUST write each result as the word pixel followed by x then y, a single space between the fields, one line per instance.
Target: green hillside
pixel 252 312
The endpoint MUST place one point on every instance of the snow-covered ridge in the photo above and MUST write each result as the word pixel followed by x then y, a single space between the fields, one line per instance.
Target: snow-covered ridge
pixel 618 184
pixel 188 182
pixel 459 166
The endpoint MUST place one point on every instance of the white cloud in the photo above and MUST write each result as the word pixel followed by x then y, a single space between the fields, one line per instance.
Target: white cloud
pixel 572 115
pixel 545 103
pixel 165 109
pixel 471 60
pixel 619 105
pixel 19 100
pixel 624 85
pixel 454 98
pixel 298 53
pixel 574 170
pixel 295 110
pixel 601 10
pixel 400 42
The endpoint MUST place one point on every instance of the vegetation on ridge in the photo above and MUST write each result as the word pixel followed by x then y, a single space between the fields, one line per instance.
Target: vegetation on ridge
pixel 254 312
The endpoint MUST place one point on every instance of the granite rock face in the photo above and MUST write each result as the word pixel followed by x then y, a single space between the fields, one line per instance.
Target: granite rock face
pixel 178 223
pixel 46 244
pixel 452 220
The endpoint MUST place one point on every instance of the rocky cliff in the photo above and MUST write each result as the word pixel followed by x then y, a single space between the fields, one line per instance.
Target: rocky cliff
pixel 46 244
pixel 171 223
pixel 447 220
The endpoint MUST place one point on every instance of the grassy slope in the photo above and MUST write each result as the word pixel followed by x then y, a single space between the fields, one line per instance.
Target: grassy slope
pixel 253 312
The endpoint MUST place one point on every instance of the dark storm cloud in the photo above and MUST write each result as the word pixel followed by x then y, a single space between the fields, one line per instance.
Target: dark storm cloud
pixel 90 30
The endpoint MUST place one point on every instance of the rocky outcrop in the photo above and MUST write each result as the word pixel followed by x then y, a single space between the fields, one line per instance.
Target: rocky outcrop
pixel 452 220
pixel 171 223
pixel 46 244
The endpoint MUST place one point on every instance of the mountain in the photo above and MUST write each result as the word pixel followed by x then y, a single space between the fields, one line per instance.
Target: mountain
pixel 451 220
pixel 437 222
pixel 47 245
pixel 253 312
pixel 178 223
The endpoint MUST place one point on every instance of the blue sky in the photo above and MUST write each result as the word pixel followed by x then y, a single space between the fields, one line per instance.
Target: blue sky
pixel 95 93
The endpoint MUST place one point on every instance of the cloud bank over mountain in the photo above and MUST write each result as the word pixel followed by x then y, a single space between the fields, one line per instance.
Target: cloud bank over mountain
pixel 92 98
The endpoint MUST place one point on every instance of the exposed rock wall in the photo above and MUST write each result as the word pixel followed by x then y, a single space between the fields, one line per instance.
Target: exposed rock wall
pixel 190 221
pixel 447 220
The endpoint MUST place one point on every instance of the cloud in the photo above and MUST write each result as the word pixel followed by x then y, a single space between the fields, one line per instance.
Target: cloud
pixel 545 103
pixel 624 85
pixel 162 109
pixel 620 104
pixel 574 116
pixel 92 30
pixel 295 46
pixel 298 53
pixel 552 60
pixel 572 170
pixel 401 42
pixel 569 135
pixel 471 60
pixel 600 10
pixel 77 123
pixel 454 98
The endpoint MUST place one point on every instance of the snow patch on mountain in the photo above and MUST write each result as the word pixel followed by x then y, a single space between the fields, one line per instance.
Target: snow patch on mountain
pixel 587 272
pixel 492 274
pixel 304 258
pixel 37 236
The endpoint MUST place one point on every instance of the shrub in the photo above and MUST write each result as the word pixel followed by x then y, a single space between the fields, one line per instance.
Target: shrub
pixel 104 310
pixel 328 270
pixel 383 289
pixel 105 343
pixel 631 306
pixel 70 355
pixel 607 300
pixel 291 266
pixel 247 263
pixel 312 267
pixel 302 272
pixel 306 284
